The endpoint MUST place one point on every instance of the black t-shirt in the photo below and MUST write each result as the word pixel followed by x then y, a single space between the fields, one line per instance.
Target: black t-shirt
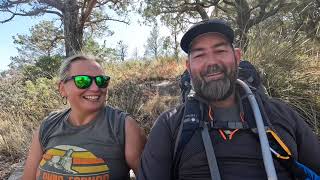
pixel 239 158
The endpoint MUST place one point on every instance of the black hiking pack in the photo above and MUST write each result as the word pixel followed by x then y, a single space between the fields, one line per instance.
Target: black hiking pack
pixel 194 119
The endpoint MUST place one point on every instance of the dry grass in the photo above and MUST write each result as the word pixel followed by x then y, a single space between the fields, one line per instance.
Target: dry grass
pixel 141 71
pixel 289 76
pixel 292 71
pixel 155 106
pixel 15 136
pixel 25 104
pixel 133 88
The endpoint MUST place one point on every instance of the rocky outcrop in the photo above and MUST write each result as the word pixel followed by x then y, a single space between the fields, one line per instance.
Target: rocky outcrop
pixel 167 88
pixel 17 171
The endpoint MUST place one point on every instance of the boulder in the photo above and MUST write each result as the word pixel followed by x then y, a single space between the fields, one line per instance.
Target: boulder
pixel 17 171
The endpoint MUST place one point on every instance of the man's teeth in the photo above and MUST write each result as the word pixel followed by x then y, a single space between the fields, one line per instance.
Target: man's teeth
pixel 214 70
pixel 92 97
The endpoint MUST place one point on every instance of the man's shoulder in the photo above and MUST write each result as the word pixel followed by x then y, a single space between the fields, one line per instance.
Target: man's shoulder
pixel 171 118
pixel 171 114
pixel 279 106
pixel 280 112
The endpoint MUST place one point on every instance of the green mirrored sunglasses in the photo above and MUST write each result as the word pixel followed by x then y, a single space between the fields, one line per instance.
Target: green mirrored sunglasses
pixel 85 81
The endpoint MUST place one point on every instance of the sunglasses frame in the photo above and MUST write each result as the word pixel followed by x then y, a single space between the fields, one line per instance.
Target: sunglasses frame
pixel 92 78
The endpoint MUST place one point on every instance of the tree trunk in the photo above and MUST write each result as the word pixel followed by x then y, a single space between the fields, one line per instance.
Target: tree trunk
pixel 202 12
pixel 176 46
pixel 73 33
pixel 243 40
pixel 242 19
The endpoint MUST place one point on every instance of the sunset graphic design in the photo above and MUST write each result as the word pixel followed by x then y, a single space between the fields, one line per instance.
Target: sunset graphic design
pixel 66 162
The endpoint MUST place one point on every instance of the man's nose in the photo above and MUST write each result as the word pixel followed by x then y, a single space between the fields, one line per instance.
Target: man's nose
pixel 211 58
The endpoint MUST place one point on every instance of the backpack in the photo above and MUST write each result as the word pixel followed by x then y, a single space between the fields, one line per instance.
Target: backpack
pixel 193 119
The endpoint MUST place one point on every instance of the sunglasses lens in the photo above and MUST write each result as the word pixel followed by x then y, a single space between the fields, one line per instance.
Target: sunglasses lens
pixel 82 82
pixel 102 81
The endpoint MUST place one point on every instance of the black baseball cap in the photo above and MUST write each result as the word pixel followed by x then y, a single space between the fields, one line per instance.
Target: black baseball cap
pixel 207 26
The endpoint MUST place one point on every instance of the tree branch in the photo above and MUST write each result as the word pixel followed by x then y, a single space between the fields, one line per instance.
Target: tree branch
pixel 5 7
pixel 53 3
pixel 30 13
pixel 202 12
pixel 54 12
pixel 264 15
pixel 229 3
pixel 87 12
pixel 54 41
pixel 7 20
pixel 222 9
pixel 106 19
pixel 8 4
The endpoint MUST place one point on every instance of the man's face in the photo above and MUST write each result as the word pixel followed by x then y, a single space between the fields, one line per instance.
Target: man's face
pixel 213 66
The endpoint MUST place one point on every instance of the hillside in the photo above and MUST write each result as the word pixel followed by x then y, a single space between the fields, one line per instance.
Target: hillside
pixel 142 88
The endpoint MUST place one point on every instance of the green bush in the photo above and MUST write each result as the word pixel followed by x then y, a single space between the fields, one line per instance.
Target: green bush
pixel 44 67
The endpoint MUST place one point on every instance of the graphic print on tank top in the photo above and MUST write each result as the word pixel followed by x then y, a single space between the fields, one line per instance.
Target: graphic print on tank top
pixel 66 162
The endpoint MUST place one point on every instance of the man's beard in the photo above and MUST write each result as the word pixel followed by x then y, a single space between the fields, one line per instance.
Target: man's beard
pixel 215 90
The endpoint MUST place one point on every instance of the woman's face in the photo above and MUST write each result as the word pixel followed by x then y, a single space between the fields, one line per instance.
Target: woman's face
pixel 88 100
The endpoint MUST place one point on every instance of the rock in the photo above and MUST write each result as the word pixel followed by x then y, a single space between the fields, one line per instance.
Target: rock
pixel 17 171
pixel 132 176
pixel 167 88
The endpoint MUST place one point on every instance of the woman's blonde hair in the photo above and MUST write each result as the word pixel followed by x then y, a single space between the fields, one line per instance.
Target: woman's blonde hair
pixel 66 64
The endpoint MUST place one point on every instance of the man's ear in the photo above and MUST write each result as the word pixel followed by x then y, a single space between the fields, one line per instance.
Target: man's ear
pixel 188 65
pixel 237 55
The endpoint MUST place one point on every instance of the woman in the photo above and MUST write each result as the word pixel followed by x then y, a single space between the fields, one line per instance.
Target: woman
pixel 89 140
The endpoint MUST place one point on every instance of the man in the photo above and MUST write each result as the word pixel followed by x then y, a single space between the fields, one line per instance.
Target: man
pixel 213 63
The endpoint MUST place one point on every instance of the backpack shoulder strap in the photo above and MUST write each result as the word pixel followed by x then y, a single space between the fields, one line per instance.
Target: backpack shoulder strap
pixel 193 120
pixel 177 139
pixel 211 157
pixel 189 124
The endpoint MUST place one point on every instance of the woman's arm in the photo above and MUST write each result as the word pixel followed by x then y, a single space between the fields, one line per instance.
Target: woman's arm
pixel 135 140
pixel 34 157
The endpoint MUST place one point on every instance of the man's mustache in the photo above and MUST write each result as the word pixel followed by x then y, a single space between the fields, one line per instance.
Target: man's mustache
pixel 214 69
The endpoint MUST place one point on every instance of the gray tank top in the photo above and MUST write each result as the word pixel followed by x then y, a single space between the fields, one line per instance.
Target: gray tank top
pixel 227 114
pixel 94 151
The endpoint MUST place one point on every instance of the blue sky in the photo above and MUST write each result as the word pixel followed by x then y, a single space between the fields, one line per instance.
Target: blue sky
pixel 9 29
pixel 134 35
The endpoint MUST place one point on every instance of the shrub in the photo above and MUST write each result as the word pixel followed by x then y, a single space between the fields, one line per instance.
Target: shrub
pixel 26 102
pixel 291 67
pixel 24 105
pixel 45 66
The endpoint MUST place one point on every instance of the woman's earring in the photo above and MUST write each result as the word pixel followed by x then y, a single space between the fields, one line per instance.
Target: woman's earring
pixel 64 100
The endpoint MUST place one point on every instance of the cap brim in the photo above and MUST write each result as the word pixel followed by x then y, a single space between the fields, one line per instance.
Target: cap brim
pixel 206 27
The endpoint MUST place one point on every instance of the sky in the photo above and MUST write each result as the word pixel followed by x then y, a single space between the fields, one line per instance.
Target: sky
pixel 134 35
pixel 9 29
